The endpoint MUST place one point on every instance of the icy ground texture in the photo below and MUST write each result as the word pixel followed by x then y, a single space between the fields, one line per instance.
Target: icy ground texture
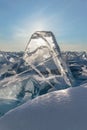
pixel 78 65
pixel 59 110
pixel 42 68
pixel 12 89
pixel 16 92
pixel 14 73
pixel 9 63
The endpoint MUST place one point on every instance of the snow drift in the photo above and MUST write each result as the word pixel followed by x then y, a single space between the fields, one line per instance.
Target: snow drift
pixel 59 110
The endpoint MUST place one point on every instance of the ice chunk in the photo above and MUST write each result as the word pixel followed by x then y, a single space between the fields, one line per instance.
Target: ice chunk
pixel 18 88
pixel 17 92
pixel 44 56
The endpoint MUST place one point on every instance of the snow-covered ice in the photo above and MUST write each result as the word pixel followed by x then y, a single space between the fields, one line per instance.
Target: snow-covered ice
pixel 63 110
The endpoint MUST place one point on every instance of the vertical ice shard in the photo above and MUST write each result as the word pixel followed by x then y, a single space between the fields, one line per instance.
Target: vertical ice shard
pixel 44 56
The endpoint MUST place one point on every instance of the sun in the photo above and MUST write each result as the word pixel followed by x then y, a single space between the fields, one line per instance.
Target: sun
pixel 39 25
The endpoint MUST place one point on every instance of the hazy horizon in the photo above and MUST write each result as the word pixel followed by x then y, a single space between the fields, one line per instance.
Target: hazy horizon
pixel 66 19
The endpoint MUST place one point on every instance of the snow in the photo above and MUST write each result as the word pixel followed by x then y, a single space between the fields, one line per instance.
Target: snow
pixel 63 110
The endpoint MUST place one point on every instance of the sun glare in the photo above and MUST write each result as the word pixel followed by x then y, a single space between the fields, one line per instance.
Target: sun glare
pixel 38 26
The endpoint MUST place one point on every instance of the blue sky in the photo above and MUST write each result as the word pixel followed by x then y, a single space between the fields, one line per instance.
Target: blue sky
pixel 66 18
